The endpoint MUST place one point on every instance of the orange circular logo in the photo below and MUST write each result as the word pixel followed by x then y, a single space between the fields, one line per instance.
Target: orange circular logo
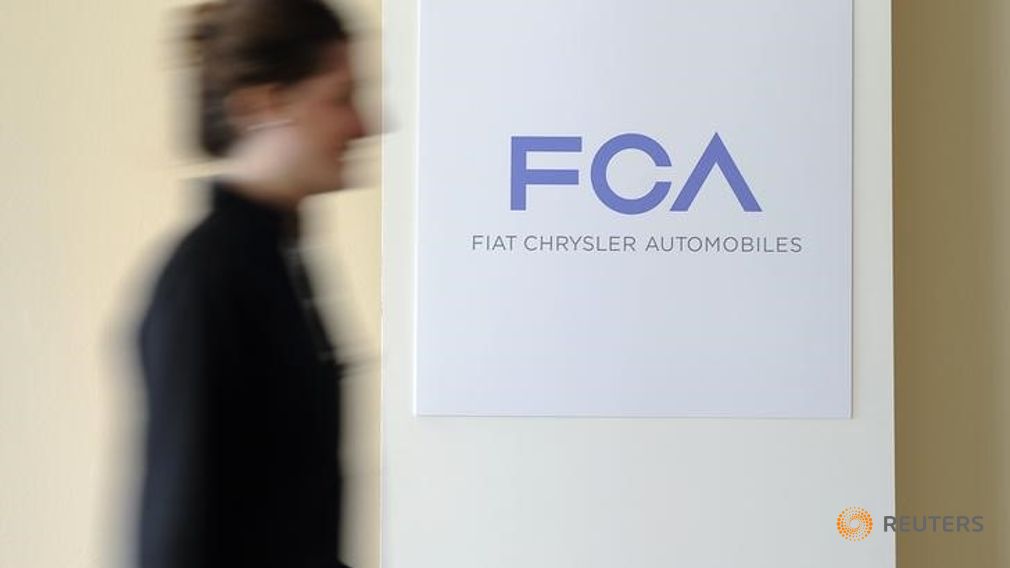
pixel 854 523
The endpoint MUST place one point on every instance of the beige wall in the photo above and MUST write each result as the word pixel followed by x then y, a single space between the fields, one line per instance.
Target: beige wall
pixel 952 274
pixel 91 193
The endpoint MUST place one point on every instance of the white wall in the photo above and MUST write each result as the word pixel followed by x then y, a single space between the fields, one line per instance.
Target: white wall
pixel 545 492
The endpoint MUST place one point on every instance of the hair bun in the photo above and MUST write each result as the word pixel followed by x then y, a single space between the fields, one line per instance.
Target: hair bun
pixel 205 25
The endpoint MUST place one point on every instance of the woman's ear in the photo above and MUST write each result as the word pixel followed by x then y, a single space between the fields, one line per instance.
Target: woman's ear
pixel 248 107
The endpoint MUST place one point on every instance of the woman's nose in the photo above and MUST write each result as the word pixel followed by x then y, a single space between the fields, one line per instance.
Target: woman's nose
pixel 358 128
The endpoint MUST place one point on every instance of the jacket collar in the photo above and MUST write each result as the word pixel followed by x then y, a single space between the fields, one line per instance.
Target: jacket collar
pixel 281 224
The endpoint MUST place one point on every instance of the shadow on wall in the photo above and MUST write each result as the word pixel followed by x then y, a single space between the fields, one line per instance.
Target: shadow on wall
pixel 952 274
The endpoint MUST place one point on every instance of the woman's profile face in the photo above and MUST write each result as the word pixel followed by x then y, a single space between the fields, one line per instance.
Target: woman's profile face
pixel 324 120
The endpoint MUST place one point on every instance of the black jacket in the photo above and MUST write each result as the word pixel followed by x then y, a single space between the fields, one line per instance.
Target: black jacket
pixel 243 409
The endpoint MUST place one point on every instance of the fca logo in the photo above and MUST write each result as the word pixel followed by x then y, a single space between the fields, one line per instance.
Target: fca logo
pixel 715 154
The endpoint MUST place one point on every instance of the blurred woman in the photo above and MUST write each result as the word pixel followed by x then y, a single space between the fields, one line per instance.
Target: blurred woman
pixel 241 457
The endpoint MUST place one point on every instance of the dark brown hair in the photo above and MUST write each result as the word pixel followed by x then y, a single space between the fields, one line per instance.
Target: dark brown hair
pixel 239 43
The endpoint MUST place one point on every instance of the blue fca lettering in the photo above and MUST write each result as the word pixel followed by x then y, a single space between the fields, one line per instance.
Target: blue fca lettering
pixel 715 154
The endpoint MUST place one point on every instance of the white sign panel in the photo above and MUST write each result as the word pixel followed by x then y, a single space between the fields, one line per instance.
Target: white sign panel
pixel 635 208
